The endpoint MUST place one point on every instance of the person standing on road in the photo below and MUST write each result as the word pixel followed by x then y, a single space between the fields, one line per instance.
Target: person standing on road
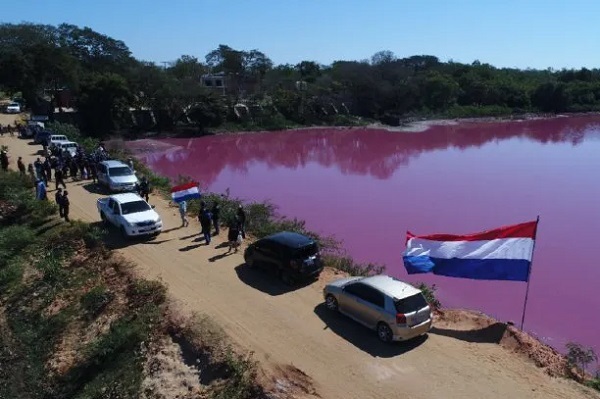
pixel 205 221
pixel 59 177
pixel 200 212
pixel 216 211
pixel 4 160
pixel 66 203
pixel 241 214
pixel 21 166
pixel 182 212
pixel 47 169
pixel 40 190
pixel 58 197
pixel 38 168
pixel 144 189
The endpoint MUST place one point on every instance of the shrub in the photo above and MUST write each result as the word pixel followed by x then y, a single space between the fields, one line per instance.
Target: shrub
pixel 13 240
pixel 348 265
pixel 579 356
pixel 241 382
pixel 429 294
pixel 147 292
pixel 51 267
pixel 95 300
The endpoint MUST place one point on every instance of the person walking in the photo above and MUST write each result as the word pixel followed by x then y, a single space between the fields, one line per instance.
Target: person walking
pixel 216 211
pixel 31 171
pixel 4 160
pixel 200 212
pixel 205 221
pixel 66 203
pixel 58 197
pixel 59 177
pixel 241 214
pixel 144 188
pixel 182 213
pixel 38 168
pixel 21 166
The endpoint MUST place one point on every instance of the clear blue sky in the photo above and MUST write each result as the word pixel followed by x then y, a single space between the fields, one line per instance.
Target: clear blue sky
pixel 506 33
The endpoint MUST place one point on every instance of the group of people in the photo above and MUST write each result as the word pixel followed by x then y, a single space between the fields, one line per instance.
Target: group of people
pixel 211 217
pixel 59 165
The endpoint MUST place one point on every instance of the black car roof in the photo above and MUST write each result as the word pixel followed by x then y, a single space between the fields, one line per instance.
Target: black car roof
pixel 290 239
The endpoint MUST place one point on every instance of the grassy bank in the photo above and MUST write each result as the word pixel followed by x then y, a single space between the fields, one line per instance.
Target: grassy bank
pixel 75 322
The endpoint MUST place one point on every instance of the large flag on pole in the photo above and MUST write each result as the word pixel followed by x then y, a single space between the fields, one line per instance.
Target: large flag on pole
pixel 185 192
pixel 500 254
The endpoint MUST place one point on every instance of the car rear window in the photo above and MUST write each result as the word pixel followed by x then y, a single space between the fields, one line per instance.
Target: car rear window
pixel 411 304
pixel 134 207
pixel 120 171
pixel 306 251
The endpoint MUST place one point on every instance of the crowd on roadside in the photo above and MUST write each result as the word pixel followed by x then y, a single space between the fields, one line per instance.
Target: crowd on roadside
pixel 56 166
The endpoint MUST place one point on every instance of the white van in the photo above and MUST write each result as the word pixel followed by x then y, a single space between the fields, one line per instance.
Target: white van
pixel 69 146
pixel 56 138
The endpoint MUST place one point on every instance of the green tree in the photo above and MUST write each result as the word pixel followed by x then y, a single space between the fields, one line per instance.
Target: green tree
pixel 104 101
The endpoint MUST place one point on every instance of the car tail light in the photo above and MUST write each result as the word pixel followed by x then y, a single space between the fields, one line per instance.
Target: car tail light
pixel 400 318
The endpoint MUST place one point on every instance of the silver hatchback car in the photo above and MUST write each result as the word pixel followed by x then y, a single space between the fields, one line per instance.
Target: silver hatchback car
pixel 396 310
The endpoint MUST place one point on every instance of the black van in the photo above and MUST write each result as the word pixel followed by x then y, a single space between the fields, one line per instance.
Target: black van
pixel 291 256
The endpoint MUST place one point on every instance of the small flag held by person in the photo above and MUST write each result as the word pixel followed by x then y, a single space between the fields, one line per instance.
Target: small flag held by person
pixel 185 192
pixel 504 253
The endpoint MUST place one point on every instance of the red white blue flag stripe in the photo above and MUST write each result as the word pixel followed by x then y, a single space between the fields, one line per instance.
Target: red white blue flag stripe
pixel 500 254
pixel 185 192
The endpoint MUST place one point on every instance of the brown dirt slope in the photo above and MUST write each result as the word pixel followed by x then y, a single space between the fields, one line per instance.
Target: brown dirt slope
pixel 284 327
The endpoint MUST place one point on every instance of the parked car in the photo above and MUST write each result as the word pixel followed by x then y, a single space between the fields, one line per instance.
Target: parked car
pixel 13 108
pixel 42 136
pixel 56 139
pixel 396 310
pixel 291 256
pixel 117 176
pixel 130 214
pixel 68 146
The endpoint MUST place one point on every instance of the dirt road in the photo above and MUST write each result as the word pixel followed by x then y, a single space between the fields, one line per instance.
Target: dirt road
pixel 291 327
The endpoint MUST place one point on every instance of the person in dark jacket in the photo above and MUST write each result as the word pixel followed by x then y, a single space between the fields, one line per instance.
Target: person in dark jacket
pixel 241 214
pixel 21 166
pixel 216 211
pixel 58 197
pixel 144 188
pixel 232 235
pixel 200 212
pixel 66 204
pixel 205 221
pixel 4 160
pixel 59 177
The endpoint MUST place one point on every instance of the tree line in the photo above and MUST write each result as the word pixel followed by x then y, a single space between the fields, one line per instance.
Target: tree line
pixel 106 82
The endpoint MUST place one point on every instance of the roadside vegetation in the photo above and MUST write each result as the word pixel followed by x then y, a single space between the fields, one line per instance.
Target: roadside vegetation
pixel 75 322
pixel 96 75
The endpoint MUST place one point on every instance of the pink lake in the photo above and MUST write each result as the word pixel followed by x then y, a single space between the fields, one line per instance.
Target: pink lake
pixel 368 187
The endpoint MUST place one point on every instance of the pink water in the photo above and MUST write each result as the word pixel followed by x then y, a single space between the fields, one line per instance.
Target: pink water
pixel 367 187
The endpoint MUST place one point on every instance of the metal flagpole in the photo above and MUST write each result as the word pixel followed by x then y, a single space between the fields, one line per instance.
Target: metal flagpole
pixel 529 274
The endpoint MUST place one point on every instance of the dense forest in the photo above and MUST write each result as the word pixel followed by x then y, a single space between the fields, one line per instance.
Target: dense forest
pixel 243 89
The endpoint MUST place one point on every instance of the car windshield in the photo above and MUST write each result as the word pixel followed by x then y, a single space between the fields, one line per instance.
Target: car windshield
pixel 13 105
pixel 306 251
pixel 120 171
pixel 411 303
pixel 134 207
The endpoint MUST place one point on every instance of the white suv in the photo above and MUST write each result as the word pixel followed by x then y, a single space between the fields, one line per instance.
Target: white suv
pixel 13 108
pixel 117 176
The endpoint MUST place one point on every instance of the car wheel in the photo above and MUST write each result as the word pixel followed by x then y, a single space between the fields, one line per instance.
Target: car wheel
pixel 104 220
pixel 331 303
pixel 249 262
pixel 384 332
pixel 124 232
